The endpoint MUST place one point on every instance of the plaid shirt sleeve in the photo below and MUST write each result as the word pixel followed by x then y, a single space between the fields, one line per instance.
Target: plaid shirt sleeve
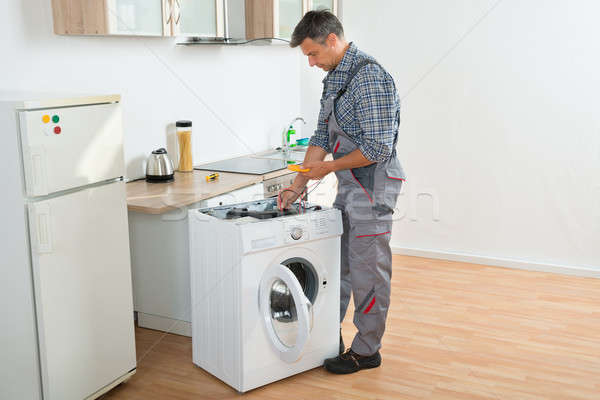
pixel 376 105
pixel 321 136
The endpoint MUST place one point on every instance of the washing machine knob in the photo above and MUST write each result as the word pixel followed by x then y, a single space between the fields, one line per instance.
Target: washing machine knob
pixel 296 233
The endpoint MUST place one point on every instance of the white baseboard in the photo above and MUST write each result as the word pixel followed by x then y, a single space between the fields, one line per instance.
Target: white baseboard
pixel 499 262
pixel 164 324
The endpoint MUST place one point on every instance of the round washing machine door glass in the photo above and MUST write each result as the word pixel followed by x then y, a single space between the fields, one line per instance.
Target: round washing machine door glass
pixel 286 311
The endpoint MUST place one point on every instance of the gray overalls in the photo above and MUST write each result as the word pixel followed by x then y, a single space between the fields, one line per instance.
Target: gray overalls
pixel 366 197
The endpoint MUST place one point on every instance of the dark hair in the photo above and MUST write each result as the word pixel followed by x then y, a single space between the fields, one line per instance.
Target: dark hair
pixel 316 25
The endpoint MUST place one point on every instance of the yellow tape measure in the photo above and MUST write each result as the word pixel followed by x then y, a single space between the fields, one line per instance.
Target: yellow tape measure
pixel 297 168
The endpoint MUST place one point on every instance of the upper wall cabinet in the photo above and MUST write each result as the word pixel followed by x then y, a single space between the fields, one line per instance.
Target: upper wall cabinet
pixel 138 17
pixel 287 13
pixel 204 18
pixel 278 18
pixel 111 17
pixel 331 5
pixel 211 19
pixel 135 17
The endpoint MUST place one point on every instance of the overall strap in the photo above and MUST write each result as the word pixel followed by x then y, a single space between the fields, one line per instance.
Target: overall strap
pixel 353 73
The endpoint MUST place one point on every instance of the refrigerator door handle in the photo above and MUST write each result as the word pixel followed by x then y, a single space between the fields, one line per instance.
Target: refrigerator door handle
pixel 41 226
pixel 37 171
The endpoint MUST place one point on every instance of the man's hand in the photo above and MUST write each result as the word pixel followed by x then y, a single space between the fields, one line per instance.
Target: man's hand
pixel 287 196
pixel 318 169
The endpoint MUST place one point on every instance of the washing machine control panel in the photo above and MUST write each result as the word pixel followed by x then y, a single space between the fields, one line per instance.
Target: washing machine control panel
pixel 312 226
pixel 289 230
pixel 296 231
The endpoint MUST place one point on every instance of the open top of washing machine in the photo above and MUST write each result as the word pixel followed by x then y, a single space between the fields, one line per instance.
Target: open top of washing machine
pixel 253 211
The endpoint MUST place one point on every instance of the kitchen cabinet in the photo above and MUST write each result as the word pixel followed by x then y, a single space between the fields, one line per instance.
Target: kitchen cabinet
pixel 110 17
pixel 135 17
pixel 278 18
pixel 287 14
pixel 214 19
pixel 200 18
pixel 138 17
pixel 273 18
pixel 331 5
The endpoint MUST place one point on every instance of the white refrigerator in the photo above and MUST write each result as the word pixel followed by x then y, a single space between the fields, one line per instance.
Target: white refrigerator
pixel 66 329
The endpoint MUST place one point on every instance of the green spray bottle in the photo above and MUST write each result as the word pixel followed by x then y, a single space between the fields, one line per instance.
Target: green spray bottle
pixel 291 131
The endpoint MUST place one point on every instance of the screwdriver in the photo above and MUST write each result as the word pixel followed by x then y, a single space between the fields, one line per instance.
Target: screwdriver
pixel 212 177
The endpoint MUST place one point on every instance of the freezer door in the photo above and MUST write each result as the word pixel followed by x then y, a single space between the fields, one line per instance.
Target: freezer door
pixel 65 148
pixel 82 285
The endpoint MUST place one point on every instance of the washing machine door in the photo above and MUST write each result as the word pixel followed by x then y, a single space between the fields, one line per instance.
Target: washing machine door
pixel 286 312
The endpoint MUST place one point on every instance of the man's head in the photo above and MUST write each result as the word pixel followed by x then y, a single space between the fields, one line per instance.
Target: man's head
pixel 320 35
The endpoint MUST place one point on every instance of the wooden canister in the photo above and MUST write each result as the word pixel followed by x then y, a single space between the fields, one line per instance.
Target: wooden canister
pixel 184 138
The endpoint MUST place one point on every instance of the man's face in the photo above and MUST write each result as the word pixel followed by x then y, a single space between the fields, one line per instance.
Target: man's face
pixel 321 55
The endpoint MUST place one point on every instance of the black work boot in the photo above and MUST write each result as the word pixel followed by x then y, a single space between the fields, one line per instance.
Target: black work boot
pixel 342 347
pixel 350 362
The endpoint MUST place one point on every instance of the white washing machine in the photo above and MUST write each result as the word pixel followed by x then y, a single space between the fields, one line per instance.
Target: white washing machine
pixel 265 289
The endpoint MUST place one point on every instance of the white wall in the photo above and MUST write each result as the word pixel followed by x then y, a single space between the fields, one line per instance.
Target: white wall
pixel 500 118
pixel 252 91
pixel 500 124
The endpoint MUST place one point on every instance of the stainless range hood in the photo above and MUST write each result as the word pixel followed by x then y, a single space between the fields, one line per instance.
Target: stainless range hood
pixel 232 19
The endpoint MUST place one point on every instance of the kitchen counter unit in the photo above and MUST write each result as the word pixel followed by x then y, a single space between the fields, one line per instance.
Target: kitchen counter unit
pixel 188 188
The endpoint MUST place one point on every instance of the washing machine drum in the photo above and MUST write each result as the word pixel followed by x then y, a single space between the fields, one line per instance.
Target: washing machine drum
pixel 282 305
pixel 283 308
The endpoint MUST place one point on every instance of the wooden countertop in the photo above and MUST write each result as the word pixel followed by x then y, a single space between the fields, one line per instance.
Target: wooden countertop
pixel 186 189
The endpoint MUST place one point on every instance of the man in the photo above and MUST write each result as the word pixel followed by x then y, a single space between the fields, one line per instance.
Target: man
pixel 358 124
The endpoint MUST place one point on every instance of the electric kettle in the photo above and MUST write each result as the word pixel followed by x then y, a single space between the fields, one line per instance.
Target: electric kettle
pixel 159 167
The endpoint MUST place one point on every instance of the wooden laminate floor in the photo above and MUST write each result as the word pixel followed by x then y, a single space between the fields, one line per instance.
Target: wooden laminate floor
pixel 455 331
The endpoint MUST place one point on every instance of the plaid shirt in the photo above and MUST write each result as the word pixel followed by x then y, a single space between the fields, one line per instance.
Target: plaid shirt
pixel 369 111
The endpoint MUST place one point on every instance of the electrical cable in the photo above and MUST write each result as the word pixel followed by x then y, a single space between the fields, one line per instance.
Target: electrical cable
pixel 302 204
pixel 314 186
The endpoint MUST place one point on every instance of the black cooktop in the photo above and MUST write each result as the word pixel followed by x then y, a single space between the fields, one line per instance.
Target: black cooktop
pixel 245 165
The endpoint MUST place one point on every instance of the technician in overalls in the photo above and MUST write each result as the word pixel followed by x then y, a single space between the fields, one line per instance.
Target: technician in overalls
pixel 358 124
